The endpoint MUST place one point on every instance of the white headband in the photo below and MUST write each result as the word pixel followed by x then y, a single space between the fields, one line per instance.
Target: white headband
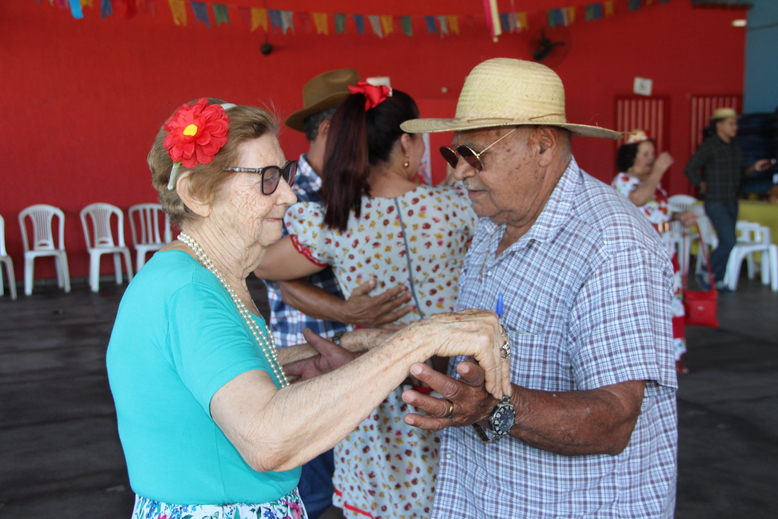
pixel 177 165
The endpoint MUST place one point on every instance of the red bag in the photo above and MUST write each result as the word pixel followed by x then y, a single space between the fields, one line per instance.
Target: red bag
pixel 701 306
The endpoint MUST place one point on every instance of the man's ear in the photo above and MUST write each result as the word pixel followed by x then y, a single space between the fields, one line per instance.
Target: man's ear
pixel 194 203
pixel 324 128
pixel 547 141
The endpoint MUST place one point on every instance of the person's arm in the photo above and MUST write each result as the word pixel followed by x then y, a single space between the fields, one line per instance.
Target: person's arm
pixel 282 429
pixel 698 160
pixel 283 262
pixel 360 309
pixel 641 195
pixel 759 165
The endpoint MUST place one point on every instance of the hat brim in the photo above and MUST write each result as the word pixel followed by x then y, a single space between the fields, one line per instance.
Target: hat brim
pixel 458 125
pixel 296 120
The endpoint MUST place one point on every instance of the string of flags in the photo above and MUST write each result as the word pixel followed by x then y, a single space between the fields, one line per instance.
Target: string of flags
pixel 211 15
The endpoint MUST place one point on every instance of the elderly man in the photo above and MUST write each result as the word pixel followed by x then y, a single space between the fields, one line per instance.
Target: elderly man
pixel 583 286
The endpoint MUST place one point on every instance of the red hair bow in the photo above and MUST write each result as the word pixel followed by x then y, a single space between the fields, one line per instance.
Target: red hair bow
pixel 374 95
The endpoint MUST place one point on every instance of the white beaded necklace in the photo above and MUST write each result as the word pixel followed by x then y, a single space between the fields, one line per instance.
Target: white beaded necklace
pixel 264 339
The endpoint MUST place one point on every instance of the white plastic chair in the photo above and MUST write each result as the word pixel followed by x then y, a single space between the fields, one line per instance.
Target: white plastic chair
pixel 708 234
pixel 5 259
pixel 43 243
pixel 150 227
pixel 680 236
pixel 753 238
pixel 99 241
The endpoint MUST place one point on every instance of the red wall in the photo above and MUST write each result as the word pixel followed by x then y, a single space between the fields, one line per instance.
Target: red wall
pixel 81 100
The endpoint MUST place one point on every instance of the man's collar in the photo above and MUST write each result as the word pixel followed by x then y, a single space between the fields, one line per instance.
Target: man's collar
pixel 305 170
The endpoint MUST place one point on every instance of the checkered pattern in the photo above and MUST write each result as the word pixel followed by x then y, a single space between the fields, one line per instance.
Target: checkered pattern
pixel 287 323
pixel 592 282
pixel 722 168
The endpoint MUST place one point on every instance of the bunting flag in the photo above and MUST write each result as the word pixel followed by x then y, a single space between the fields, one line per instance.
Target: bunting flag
pixel 62 4
pixel 431 26
pixel 593 12
pixel 258 19
pixel 359 21
pixel 505 22
pixel 522 19
pixel 86 3
pixel 375 24
pixel 387 24
pixel 178 8
pixel 571 15
pixel 340 23
pixel 287 21
pixel 322 23
pixel 201 13
pixel 275 19
pixel 453 23
pixel 75 9
pixel 608 7
pixel 633 5
pixel 221 14
pixel 106 8
pixel 443 26
pixel 144 6
pixel 407 24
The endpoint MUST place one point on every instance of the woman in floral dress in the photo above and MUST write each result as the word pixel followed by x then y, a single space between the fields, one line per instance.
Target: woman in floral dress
pixel 377 222
pixel 639 181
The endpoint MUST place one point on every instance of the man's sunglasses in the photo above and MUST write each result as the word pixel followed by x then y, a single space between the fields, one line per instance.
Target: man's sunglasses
pixel 451 154
pixel 270 176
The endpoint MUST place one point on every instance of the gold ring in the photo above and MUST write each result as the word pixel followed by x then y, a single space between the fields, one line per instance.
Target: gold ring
pixel 450 409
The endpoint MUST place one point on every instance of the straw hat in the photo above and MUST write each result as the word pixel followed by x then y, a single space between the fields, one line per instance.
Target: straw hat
pixel 322 92
pixel 723 113
pixel 509 92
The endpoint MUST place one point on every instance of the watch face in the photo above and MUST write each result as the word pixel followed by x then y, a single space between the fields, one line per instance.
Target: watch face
pixel 502 418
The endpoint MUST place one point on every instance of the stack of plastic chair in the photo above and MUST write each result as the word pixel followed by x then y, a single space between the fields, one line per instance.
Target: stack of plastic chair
pixel 681 236
pixel 5 259
pixel 43 243
pixel 753 238
pixel 96 219
pixel 148 233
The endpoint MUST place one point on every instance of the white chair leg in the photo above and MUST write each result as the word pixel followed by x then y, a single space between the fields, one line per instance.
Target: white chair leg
pixel 29 270
pixel 65 271
pixel 11 279
pixel 733 269
pixel 2 284
pixel 751 265
pixel 117 267
pixel 94 271
pixel 128 264
pixel 774 267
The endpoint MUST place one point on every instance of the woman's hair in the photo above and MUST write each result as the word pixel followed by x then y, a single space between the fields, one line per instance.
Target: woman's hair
pixel 625 158
pixel 246 123
pixel 357 140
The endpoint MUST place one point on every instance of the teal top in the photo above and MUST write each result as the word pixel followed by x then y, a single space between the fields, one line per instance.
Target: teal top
pixel 177 339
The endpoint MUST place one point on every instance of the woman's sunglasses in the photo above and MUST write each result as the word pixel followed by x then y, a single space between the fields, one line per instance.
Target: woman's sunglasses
pixel 270 176
pixel 452 155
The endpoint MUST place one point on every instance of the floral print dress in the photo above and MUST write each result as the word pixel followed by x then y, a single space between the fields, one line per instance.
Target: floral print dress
pixel 657 210
pixel 385 468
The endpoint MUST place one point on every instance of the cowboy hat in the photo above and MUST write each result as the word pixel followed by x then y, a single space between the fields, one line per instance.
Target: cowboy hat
pixel 509 92
pixel 324 91
pixel 723 113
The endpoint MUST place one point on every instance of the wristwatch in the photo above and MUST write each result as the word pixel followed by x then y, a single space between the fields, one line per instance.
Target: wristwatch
pixel 500 421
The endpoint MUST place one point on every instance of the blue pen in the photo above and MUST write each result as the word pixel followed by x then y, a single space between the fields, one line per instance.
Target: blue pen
pixel 498 308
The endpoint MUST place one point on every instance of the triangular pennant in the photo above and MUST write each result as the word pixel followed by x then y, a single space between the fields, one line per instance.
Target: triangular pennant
pixel 522 19
pixel 504 23
pixel 221 14
pixel 62 4
pixel 649 2
pixel 562 17
pixel 106 8
pixel 443 26
pixel 86 3
pixel 340 23
pixel 598 11
pixel 608 7
pixel 375 24
pixel 178 9
pixel 552 17
pixel 275 18
pixel 513 23
pixel 201 13
pixel 589 12
pixel 322 23
pixel 287 20
pixel 126 8
pixel 258 19
pixel 387 24
pixel 407 24
pixel 634 5
pixel 571 14
pixel 359 21
pixel 431 25
pixel 75 9
pixel 453 23
pixel 305 22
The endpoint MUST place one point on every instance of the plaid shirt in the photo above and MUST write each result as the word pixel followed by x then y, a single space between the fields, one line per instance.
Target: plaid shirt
pixel 722 167
pixel 592 283
pixel 287 323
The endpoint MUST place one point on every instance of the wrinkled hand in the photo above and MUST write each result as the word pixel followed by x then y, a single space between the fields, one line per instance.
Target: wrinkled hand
pixel 330 357
pixel 472 403
pixel 470 332
pixel 362 309
pixel 687 219
pixel 662 163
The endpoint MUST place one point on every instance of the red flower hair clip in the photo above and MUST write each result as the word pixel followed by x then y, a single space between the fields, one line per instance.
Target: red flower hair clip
pixel 374 95
pixel 196 133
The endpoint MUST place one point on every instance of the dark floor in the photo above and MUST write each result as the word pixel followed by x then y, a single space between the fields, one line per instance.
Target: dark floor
pixel 60 456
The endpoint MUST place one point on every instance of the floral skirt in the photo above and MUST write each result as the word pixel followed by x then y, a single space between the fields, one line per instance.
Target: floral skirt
pixel 288 507
pixel 386 468
pixel 679 314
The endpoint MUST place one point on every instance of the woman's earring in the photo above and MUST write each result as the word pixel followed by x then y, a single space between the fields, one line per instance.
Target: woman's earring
pixel 406 163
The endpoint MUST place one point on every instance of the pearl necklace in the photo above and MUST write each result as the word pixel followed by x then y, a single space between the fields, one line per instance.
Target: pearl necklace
pixel 268 346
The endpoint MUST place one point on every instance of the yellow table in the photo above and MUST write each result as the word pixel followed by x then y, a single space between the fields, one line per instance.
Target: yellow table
pixel 764 213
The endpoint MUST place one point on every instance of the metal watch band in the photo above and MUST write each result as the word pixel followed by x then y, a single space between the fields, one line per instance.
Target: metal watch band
pixel 481 433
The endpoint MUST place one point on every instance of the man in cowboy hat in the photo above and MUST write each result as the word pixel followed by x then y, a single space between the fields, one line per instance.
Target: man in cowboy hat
pixel 316 302
pixel 582 285
pixel 720 159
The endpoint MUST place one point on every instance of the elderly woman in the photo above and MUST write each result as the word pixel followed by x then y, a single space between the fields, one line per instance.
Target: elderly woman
pixel 209 424
pixel 639 180
pixel 377 223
